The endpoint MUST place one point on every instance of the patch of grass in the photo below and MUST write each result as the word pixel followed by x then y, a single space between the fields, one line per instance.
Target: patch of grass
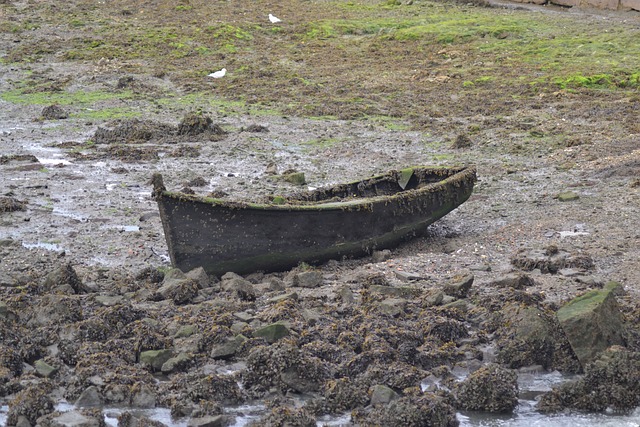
pixel 599 81
pixel 111 113
pixel 78 98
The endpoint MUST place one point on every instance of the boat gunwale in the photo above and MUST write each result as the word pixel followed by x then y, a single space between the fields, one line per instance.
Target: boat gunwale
pixel 464 173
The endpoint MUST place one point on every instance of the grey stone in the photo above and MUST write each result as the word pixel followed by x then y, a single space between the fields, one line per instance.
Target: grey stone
pixel 241 287
pixel 229 348
pixel 292 378
pixel 244 316
pixel 272 332
pixel 288 296
pixel 177 363
pixel 592 322
pixel 155 358
pixel 186 331
pixel 434 297
pixel 460 304
pixel 109 300
pixel 180 290
pixel 311 316
pixel 174 273
pixel 211 421
pixel 460 287
pixel 346 295
pixel 308 279
pixel 64 280
pixel 406 276
pixel 396 291
pixel 75 419
pixel 514 280
pixel 89 398
pixel 200 277
pixel 393 306
pixel 7 280
pixel 144 397
pixel 381 256
pixel 44 369
pixel 382 395
pixel 4 309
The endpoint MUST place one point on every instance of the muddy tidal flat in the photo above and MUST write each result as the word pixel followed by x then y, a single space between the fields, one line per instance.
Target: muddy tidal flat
pixel 519 307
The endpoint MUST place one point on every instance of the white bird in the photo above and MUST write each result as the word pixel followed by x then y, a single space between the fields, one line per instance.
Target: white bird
pixel 274 19
pixel 218 74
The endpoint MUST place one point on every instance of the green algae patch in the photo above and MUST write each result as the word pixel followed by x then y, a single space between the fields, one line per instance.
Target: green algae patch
pixel 78 98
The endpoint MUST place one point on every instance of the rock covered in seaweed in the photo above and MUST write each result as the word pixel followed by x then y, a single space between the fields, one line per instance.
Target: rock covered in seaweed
pixel 611 382
pixel 491 388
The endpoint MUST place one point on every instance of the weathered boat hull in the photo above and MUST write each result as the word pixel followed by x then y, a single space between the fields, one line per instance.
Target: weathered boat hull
pixel 243 238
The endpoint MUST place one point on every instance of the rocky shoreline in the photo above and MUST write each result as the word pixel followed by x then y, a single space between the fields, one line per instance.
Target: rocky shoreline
pixel 347 340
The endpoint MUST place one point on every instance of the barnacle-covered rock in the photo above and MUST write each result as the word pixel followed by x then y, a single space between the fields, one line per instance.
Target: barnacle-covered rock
pixel 30 403
pixel 491 388
pixel 344 394
pixel 286 416
pixel 611 382
pixel 285 366
pixel 220 388
pixel 411 411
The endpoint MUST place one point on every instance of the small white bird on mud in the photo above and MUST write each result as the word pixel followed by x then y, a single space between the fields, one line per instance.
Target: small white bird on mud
pixel 218 74
pixel 274 19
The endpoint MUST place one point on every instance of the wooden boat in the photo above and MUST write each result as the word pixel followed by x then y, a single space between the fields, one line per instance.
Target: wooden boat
pixel 315 226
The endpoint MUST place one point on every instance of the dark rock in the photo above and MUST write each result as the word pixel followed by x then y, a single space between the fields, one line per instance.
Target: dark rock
pixel 460 287
pixel 551 260
pixel 64 278
pixel 397 291
pixel 412 411
pixel 288 416
pixel 381 256
pixel 528 337
pixel 491 388
pixel 461 141
pixel 128 419
pixel 592 322
pixel 513 280
pixel 295 379
pixel 57 309
pixel 610 383
pixel 54 112
pixel 406 276
pixel 31 403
